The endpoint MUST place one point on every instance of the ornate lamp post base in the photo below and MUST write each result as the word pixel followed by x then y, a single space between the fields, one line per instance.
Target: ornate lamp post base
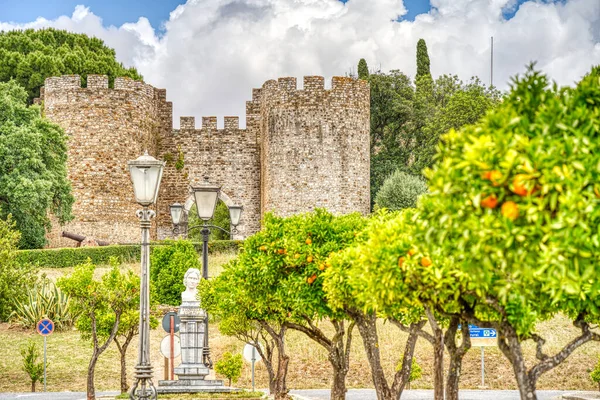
pixel 143 388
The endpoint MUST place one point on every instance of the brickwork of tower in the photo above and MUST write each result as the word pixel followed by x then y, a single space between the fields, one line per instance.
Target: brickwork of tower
pixel 300 149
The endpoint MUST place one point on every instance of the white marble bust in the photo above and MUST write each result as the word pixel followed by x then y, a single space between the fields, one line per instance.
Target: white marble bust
pixel 190 281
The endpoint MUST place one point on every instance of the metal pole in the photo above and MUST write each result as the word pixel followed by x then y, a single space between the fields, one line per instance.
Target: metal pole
pixel 253 360
pixel 44 363
pixel 492 64
pixel 172 347
pixel 205 235
pixel 143 388
pixel 482 368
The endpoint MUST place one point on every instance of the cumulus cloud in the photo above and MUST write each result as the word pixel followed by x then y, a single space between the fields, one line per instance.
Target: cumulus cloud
pixel 212 52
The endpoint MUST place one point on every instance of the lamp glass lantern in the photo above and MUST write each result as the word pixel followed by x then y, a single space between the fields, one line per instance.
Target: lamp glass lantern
pixel 206 196
pixel 176 212
pixel 146 174
pixel 235 213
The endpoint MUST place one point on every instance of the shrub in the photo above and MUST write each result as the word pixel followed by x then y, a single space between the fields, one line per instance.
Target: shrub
pixel 72 256
pixel 400 190
pixel 230 366
pixel 15 278
pixel 595 374
pixel 44 301
pixel 34 369
pixel 168 264
pixel 416 372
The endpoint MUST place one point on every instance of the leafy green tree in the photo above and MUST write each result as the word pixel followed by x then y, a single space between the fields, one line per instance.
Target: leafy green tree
pixel 250 311
pixel 423 63
pixel 34 368
pixel 220 218
pixel 168 264
pixel 230 366
pixel 15 278
pixel 392 129
pixel 31 56
pixel 98 302
pixel 400 190
pixel 363 69
pixel 511 213
pixel 33 172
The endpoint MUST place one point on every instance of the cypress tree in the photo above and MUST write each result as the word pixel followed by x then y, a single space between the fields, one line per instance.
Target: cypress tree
pixel 422 59
pixel 363 69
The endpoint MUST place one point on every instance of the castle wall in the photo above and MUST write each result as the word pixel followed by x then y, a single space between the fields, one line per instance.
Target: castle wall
pixel 315 146
pixel 300 149
pixel 229 157
pixel 106 128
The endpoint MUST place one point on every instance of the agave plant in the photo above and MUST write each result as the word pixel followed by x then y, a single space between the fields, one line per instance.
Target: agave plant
pixel 44 301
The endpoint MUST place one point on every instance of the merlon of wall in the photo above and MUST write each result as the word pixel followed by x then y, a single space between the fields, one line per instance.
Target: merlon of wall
pixel 209 123
pixel 94 82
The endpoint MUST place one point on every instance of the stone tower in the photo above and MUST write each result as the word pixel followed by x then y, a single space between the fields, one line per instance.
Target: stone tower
pixel 300 149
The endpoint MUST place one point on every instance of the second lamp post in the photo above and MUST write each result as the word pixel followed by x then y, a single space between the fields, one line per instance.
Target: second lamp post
pixel 206 197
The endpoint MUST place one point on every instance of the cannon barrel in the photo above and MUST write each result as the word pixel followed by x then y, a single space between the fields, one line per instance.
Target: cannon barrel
pixel 81 238
pixel 74 236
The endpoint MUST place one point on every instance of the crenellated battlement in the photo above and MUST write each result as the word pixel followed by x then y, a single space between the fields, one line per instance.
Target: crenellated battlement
pixel 302 147
pixel 67 83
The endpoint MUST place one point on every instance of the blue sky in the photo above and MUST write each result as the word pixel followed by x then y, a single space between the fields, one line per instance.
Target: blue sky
pixel 117 12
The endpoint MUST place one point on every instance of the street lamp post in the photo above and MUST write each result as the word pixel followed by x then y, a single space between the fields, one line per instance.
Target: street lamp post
pixel 146 173
pixel 206 197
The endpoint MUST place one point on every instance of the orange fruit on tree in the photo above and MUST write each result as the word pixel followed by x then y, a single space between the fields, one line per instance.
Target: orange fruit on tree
pixel 510 210
pixel 296 255
pixel 280 251
pixel 518 185
pixel 494 176
pixel 308 241
pixel 263 248
pixel 321 267
pixel 426 261
pixel 490 201
pixel 309 259
pixel 411 252
pixel 311 279
pixel 400 261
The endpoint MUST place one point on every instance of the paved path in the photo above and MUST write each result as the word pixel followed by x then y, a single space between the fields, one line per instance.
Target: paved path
pixel 320 394
pixel 369 394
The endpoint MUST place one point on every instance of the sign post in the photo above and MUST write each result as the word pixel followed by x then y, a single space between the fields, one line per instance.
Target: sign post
pixel 483 337
pixel 170 324
pixel 251 356
pixel 45 327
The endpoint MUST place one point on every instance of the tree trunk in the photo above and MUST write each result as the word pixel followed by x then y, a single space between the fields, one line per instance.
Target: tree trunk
pixel 123 352
pixel 438 357
pixel 91 390
pixel 278 386
pixel 229 382
pixel 456 355
pixel 339 357
pixel 33 386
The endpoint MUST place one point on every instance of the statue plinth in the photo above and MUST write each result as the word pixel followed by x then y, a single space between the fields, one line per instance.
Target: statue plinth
pixel 191 337
pixel 191 372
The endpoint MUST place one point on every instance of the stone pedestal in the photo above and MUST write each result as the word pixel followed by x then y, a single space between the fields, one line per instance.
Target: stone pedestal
pixel 192 371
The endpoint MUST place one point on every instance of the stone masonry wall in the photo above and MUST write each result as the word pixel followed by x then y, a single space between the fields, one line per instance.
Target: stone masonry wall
pixel 315 146
pixel 106 128
pixel 301 149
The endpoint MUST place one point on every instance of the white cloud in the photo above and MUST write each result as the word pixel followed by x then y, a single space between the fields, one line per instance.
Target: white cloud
pixel 212 52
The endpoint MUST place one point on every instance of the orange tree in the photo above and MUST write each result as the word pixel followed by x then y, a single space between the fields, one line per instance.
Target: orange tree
pixel 387 275
pixel 280 271
pixel 514 212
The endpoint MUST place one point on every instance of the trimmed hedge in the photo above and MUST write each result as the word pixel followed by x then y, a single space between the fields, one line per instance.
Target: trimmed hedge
pixel 72 256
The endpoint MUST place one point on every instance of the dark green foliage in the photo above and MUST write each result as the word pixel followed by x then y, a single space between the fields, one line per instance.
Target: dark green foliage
pixel 423 64
pixel 31 56
pixel 400 190
pixel 220 218
pixel 33 172
pixel 72 256
pixel 363 69
pixel 15 277
pixel 168 264
pixel 230 366
pixel 31 366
